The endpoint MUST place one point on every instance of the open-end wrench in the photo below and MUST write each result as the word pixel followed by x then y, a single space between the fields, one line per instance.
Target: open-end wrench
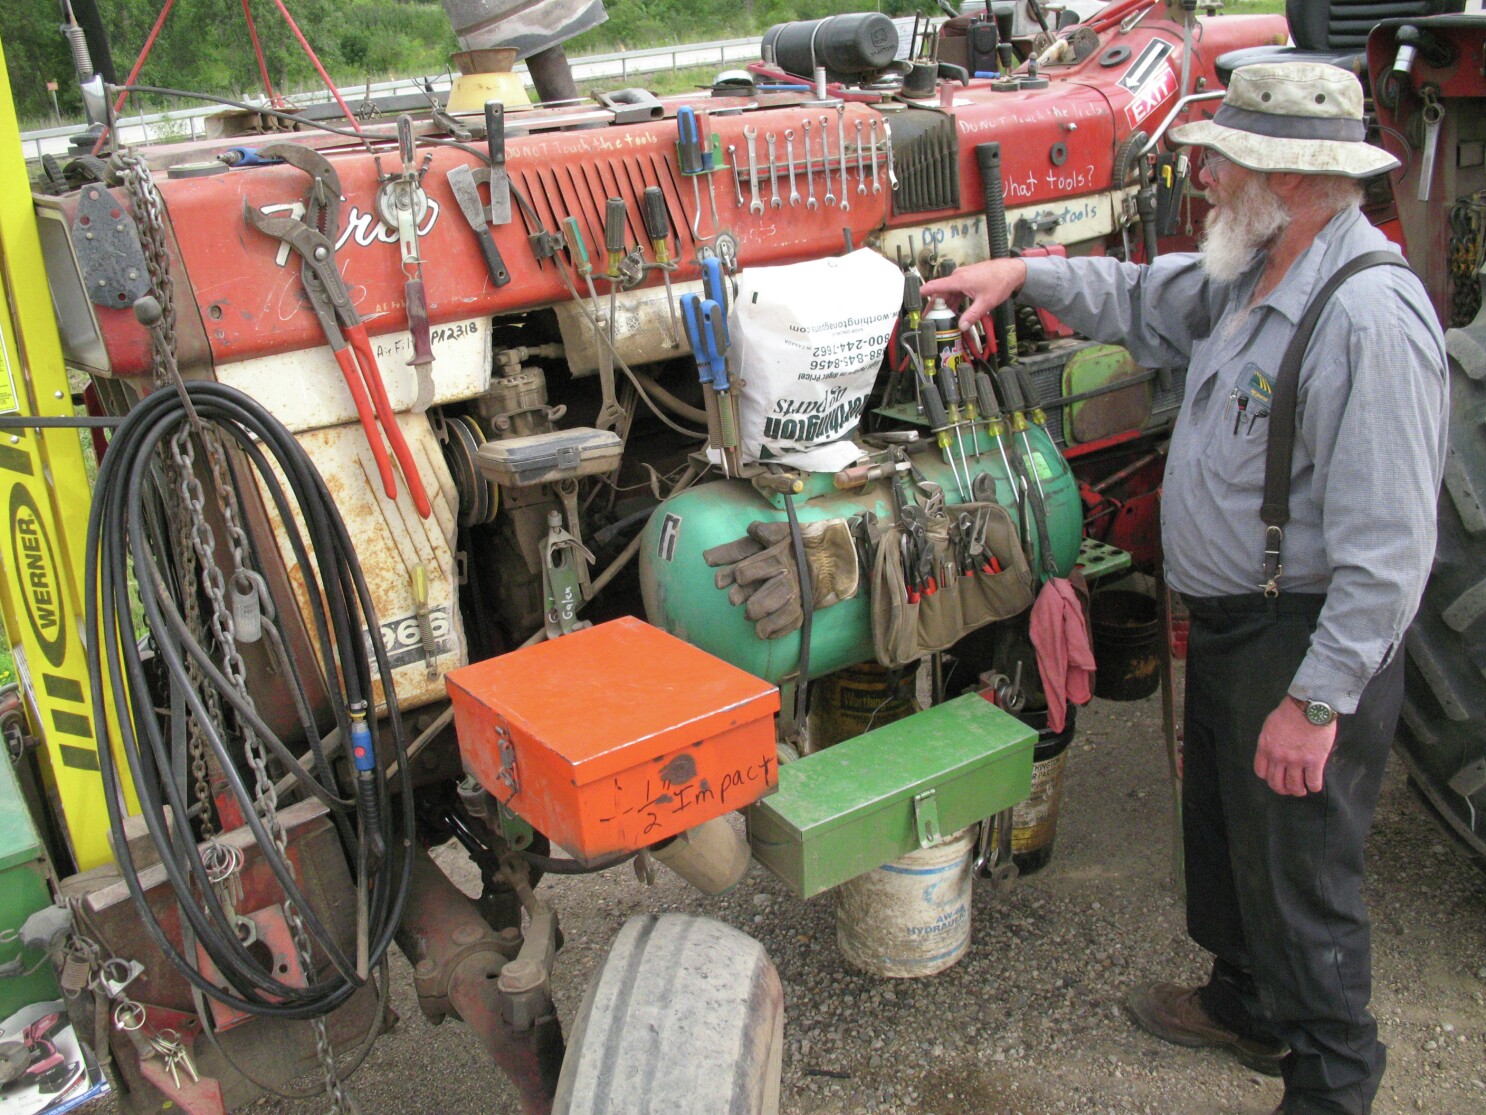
pixel 750 133
pixel 1434 115
pixel 861 166
pixel 876 174
pixel 774 200
pixel 789 154
pixel 825 157
pixel 887 139
pixel 737 180
pixel 810 202
pixel 841 153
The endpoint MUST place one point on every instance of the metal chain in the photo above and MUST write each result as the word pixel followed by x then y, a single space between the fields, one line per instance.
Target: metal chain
pixel 149 215
pixel 1467 222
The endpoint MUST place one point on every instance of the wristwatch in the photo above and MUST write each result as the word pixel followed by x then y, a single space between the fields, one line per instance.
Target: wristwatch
pixel 1318 713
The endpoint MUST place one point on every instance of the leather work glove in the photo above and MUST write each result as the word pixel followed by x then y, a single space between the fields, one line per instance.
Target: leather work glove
pixel 758 570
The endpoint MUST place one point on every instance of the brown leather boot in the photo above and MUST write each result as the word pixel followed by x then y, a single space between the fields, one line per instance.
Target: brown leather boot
pixel 1175 1014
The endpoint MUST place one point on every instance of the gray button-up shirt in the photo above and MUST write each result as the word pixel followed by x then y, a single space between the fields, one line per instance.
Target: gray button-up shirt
pixel 1371 432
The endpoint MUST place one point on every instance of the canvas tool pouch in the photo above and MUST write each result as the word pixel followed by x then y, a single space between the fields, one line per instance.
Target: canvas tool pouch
pixel 904 631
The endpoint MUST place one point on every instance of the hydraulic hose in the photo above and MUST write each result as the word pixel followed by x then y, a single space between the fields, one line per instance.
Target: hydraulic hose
pixel 126 534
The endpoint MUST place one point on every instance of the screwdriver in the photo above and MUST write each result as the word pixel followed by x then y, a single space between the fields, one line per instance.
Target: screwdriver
pixel 995 424
pixel 615 217
pixel 938 421
pixel 689 153
pixel 658 228
pixel 967 399
pixel 913 305
pixel 950 388
pixel 691 317
pixel 1011 387
pixel 578 254
pixel 715 335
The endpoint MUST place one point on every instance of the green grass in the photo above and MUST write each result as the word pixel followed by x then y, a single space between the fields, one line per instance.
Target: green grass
pixel 1253 7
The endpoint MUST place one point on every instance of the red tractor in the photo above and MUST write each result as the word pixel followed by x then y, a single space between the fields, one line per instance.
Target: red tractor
pixel 412 409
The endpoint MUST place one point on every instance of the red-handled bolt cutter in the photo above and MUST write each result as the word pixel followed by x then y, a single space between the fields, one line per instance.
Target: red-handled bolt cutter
pixel 342 325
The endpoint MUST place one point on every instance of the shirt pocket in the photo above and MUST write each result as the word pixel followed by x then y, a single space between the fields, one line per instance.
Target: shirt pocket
pixel 1242 434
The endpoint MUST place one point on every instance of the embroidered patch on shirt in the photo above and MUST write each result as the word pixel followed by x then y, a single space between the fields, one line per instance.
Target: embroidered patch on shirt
pixel 1261 386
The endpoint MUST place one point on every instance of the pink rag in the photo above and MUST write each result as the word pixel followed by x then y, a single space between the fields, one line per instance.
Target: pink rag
pixel 1064 657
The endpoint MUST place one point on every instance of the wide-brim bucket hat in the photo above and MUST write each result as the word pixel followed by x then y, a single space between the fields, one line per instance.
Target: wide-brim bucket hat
pixel 1291 117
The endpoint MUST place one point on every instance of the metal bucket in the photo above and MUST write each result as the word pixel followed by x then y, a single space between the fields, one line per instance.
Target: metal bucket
pixel 1126 629
pixel 911 917
pixel 1034 822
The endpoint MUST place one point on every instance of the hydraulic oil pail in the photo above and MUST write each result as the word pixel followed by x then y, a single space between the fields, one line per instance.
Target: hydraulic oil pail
pixel 910 917
pixel 1034 822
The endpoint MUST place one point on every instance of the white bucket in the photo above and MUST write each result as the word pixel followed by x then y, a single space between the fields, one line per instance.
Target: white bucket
pixel 910 917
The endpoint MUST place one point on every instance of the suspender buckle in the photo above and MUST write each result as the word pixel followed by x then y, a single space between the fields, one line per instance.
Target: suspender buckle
pixel 1273 567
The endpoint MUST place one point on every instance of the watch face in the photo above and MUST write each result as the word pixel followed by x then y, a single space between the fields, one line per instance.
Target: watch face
pixel 1319 713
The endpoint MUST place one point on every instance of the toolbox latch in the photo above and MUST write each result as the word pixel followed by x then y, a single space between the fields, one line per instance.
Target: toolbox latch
pixel 926 818
pixel 507 750
pixel 569 457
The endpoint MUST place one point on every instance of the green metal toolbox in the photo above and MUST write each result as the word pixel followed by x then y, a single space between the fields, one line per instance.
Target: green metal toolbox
pixel 23 891
pixel 871 799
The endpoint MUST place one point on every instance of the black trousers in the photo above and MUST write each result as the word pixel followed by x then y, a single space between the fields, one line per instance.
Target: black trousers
pixel 1274 882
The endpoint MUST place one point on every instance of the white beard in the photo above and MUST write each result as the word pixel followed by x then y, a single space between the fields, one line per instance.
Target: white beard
pixel 1238 231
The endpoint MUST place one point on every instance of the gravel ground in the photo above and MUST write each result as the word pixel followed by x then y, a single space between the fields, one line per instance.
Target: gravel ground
pixel 1030 1021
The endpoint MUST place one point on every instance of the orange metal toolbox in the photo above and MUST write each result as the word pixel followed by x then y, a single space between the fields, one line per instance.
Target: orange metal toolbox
pixel 615 737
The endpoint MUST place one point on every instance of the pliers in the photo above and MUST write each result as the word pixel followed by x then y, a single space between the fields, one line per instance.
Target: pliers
pixel 313 239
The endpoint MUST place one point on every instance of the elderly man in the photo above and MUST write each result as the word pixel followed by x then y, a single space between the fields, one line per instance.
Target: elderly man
pixel 1294 670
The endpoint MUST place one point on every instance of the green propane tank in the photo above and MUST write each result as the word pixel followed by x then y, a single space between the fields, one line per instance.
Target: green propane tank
pixel 681 596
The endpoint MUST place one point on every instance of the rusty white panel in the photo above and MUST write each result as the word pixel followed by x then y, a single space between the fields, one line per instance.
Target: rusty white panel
pixel 390 541
pixel 306 391
pixel 963 239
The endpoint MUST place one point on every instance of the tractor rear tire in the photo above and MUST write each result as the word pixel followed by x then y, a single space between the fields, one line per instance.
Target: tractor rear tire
pixel 1442 730
pixel 684 1017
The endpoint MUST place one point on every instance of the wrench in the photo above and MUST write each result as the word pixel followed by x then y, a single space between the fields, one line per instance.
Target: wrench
pixel 876 179
pixel 774 200
pixel 841 152
pixel 810 202
pixel 861 167
pixel 887 139
pixel 737 180
pixel 789 153
pixel 825 157
pixel 1434 115
pixel 750 133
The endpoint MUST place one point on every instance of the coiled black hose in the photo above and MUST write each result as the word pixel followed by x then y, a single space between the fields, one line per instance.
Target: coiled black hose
pixel 123 533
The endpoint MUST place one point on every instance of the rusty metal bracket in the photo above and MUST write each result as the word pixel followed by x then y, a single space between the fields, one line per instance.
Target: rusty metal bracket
pixel 109 256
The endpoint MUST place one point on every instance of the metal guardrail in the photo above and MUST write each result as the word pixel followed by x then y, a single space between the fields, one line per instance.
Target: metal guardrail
pixel 187 123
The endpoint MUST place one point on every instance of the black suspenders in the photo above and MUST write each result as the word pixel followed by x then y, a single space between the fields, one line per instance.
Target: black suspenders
pixel 1275 510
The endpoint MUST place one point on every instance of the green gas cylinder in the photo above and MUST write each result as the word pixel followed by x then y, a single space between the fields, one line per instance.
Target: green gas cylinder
pixel 681 596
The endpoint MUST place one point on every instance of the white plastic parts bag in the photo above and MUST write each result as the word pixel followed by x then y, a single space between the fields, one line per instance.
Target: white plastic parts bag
pixel 809 338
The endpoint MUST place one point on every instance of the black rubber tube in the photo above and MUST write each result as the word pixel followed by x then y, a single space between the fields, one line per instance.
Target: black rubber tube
pixel 123 531
pixel 988 158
